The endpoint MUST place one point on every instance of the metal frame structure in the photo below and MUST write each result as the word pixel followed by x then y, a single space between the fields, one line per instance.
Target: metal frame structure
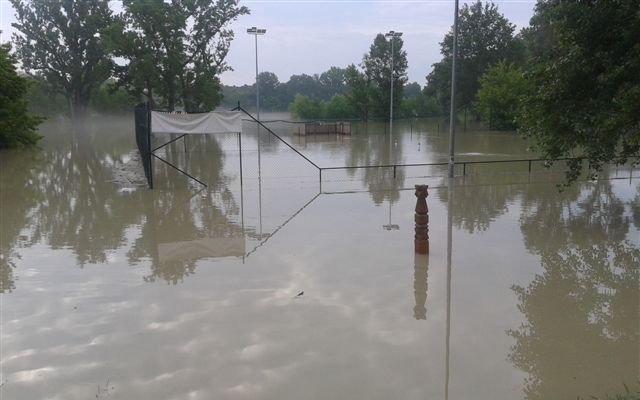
pixel 143 140
pixel 151 154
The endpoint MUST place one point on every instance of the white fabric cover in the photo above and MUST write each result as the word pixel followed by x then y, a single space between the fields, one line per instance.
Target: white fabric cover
pixel 201 123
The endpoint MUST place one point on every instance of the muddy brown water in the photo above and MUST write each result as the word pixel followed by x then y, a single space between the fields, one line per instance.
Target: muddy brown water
pixel 110 290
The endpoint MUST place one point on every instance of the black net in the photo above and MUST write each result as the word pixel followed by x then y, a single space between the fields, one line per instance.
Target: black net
pixel 143 139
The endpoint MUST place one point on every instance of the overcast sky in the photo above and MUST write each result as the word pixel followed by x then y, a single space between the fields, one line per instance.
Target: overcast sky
pixel 309 36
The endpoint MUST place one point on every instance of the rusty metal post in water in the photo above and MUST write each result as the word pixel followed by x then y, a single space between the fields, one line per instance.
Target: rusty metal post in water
pixel 422 220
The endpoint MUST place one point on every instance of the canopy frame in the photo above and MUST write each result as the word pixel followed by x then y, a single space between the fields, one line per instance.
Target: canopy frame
pixel 144 132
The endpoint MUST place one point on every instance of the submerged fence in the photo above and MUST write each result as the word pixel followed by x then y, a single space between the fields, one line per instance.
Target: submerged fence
pixel 278 162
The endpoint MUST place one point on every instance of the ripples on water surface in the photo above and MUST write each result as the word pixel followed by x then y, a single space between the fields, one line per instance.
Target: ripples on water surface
pixel 113 291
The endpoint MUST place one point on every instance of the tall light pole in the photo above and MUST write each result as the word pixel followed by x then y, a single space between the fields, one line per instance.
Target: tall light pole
pixel 255 32
pixel 452 117
pixel 392 36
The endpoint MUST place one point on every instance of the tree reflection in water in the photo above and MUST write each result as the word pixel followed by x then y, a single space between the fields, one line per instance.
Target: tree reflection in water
pixel 582 312
pixel 177 212
pixel 378 150
pixel 475 206
pixel 18 195
pixel 63 195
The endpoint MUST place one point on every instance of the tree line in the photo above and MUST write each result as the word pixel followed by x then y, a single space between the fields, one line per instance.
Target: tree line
pixel 491 57
pixel 570 80
pixel 170 53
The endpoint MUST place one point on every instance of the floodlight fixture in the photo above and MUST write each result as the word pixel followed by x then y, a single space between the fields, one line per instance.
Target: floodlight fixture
pixel 255 32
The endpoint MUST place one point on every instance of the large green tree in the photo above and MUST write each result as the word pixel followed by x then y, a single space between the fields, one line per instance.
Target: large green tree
pixel 332 82
pixel 359 96
pixel 61 41
pixel 585 79
pixel 272 96
pixel 377 66
pixel 370 85
pixel 17 127
pixel 176 49
pixel 502 88
pixel 485 37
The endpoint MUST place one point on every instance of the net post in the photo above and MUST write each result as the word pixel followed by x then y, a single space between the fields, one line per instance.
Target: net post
pixel 149 158
pixel 240 155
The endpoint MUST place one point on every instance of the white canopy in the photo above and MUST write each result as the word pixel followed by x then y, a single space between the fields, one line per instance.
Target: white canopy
pixel 202 123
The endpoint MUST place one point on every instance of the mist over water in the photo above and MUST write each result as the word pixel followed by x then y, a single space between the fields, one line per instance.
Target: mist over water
pixel 113 290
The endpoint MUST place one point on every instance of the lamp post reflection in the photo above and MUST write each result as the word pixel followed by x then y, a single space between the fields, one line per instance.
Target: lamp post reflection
pixel 390 226
pixel 449 255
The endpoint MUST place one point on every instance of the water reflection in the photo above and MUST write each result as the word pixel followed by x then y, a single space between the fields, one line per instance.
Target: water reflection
pixel 364 312
pixel 18 195
pixel 476 205
pixel 64 195
pixel 420 285
pixel 382 183
pixel 79 208
pixel 580 337
pixel 582 312
pixel 585 214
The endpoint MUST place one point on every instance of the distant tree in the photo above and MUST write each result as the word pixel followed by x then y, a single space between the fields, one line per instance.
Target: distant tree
pixel 332 82
pixel 359 97
pixel 485 37
pixel 305 108
pixel 339 108
pixel 244 94
pixel 61 41
pixel 420 105
pixel 178 49
pixel 377 66
pixel 412 90
pixel 502 88
pixel 585 82
pixel 17 127
pixel 112 99
pixel 304 84
pixel 272 96
pixel 276 95
pixel 43 99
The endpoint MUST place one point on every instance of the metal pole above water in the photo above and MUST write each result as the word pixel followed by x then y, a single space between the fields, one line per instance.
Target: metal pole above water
pixel 255 32
pixel 452 121
pixel 392 35
pixel 391 100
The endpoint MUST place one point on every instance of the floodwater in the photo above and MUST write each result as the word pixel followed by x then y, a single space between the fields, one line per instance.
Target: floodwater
pixel 280 285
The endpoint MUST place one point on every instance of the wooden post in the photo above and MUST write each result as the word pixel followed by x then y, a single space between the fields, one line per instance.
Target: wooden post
pixel 422 220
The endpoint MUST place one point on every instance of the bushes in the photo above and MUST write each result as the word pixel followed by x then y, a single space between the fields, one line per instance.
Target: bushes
pixel 502 88
pixel 17 126
pixel 337 108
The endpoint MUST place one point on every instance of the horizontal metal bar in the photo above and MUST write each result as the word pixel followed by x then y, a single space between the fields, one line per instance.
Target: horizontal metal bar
pixel 444 163
pixel 387 166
